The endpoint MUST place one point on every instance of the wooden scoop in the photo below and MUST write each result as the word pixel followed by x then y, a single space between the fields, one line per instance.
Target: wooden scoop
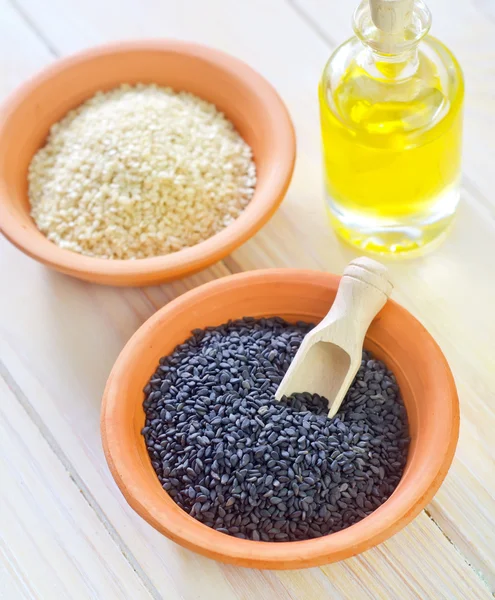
pixel 330 355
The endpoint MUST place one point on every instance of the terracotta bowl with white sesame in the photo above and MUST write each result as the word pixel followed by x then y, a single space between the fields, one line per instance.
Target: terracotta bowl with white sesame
pixel 244 96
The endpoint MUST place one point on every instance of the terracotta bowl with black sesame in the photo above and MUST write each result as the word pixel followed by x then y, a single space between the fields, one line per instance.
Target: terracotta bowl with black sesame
pixel 245 97
pixel 395 337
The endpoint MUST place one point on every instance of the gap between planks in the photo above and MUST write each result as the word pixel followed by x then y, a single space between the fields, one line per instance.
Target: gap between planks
pixel 474 192
pixel 464 558
pixel 37 32
pixel 78 482
pixel 23 400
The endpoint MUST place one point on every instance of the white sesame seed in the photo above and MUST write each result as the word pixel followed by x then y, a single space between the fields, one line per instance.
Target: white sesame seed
pixel 139 171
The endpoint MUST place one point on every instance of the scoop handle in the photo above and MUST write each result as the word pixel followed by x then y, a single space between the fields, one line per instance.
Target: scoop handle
pixel 370 272
pixel 363 291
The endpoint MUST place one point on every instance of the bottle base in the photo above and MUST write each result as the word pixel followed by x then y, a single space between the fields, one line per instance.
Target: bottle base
pixel 409 236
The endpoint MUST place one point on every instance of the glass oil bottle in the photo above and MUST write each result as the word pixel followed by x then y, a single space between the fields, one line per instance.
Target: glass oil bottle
pixel 391 121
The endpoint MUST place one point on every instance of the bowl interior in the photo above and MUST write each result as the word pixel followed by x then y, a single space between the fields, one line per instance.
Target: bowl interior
pixel 395 337
pixel 243 95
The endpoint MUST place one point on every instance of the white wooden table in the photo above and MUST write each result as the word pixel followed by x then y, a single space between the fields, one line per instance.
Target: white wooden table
pixel 65 530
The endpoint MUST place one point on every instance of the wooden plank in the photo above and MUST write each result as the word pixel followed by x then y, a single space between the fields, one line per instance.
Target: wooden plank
pixel 53 359
pixel 74 316
pixel 440 298
pixel 117 313
pixel 409 566
pixel 52 544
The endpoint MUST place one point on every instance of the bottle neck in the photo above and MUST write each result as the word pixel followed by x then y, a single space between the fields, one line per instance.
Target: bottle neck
pixel 391 52
pixel 394 67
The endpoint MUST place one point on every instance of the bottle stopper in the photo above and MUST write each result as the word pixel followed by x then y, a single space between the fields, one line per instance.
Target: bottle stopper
pixel 391 16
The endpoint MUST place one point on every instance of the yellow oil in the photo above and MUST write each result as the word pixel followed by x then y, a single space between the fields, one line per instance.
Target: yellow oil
pixel 392 156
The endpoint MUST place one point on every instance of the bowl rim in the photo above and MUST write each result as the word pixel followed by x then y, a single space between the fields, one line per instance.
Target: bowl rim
pixel 379 526
pixel 187 260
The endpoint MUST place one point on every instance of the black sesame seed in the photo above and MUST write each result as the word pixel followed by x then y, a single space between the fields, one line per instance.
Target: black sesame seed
pixel 238 461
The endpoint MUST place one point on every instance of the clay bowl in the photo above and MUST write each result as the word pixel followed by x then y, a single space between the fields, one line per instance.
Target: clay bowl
pixel 395 336
pixel 246 98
